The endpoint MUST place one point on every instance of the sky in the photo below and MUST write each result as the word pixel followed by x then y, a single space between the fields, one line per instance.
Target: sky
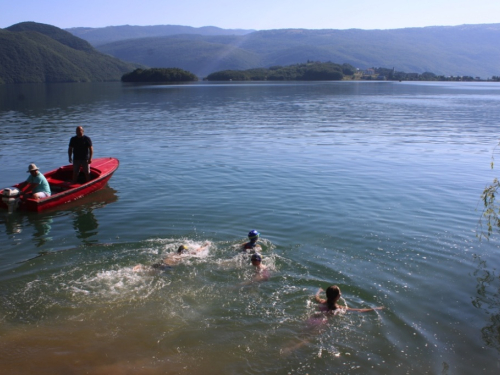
pixel 252 14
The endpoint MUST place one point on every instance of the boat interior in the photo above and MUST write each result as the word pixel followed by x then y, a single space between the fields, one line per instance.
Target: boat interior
pixel 61 179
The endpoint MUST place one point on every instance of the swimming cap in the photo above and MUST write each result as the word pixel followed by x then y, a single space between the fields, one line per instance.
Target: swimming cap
pixel 253 234
pixel 256 257
pixel 182 248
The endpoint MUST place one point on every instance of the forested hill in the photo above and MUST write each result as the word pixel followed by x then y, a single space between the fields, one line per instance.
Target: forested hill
pixel 34 52
pixel 471 50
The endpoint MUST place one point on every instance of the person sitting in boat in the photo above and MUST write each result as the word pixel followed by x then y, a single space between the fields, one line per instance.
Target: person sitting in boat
pixel 174 258
pixel 330 304
pixel 37 185
pixel 252 246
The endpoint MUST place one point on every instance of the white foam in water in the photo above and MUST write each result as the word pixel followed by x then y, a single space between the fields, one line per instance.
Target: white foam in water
pixel 170 246
pixel 115 285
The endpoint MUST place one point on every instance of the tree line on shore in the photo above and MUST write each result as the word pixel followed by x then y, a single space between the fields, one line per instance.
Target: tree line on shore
pixel 310 71
pixel 159 75
pixel 328 71
pixel 393 75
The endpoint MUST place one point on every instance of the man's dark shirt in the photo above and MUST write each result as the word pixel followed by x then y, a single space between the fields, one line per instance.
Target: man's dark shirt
pixel 80 147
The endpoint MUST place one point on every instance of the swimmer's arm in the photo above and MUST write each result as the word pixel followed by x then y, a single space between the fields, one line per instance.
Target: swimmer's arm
pixel 317 298
pixel 258 278
pixel 263 274
pixel 28 188
pixel 202 247
pixel 364 310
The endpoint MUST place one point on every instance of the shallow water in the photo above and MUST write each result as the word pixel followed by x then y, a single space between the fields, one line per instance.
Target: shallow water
pixel 372 186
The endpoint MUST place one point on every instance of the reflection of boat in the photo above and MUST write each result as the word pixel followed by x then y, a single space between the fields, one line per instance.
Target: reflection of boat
pixel 96 200
pixel 63 190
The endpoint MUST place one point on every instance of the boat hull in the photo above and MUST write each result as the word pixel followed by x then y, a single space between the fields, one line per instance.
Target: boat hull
pixel 64 191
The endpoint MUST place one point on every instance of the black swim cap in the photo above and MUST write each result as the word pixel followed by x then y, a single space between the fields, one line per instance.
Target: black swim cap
pixel 256 257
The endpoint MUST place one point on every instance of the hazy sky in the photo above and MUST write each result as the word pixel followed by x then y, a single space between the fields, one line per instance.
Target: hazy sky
pixel 252 14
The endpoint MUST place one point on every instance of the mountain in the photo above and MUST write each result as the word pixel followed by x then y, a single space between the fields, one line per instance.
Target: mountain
pixel 471 50
pixel 103 35
pixel 34 52
pixel 193 53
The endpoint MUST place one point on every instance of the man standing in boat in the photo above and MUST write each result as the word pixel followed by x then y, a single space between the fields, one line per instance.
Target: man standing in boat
pixel 80 147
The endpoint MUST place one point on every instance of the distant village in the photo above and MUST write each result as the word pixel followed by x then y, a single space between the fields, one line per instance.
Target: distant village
pixel 384 74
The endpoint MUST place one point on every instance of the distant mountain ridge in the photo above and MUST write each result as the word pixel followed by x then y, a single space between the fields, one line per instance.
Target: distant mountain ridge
pixel 32 52
pixel 109 34
pixel 471 50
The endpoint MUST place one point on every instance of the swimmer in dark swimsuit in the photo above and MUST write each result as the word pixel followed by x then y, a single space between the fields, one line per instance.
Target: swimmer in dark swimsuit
pixel 174 258
pixel 252 246
pixel 261 271
pixel 330 303
pixel 157 266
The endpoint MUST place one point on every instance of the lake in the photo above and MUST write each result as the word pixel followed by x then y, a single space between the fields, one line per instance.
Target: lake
pixel 372 186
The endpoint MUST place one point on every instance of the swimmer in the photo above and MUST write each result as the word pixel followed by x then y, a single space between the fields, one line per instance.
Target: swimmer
pixel 330 303
pixel 317 323
pixel 174 258
pixel 261 271
pixel 252 246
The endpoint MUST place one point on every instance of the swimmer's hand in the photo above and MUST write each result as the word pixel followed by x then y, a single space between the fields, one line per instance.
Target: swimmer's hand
pixel 317 298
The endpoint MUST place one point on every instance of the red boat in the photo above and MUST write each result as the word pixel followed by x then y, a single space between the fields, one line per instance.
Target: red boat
pixel 62 187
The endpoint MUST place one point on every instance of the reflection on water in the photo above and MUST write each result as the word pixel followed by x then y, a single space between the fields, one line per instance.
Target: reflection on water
pixel 42 227
pixel 36 98
pixel 488 300
pixel 85 224
pixel 84 221
pixel 81 212
pixel 13 223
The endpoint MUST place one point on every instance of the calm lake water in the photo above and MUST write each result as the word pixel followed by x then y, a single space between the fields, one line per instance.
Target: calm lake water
pixel 373 186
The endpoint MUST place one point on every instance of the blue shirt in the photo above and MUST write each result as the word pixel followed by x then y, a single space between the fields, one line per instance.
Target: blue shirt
pixel 43 185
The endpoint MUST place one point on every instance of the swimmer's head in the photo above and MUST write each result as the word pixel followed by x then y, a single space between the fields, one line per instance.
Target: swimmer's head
pixel 256 258
pixel 253 235
pixel 333 293
pixel 182 249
